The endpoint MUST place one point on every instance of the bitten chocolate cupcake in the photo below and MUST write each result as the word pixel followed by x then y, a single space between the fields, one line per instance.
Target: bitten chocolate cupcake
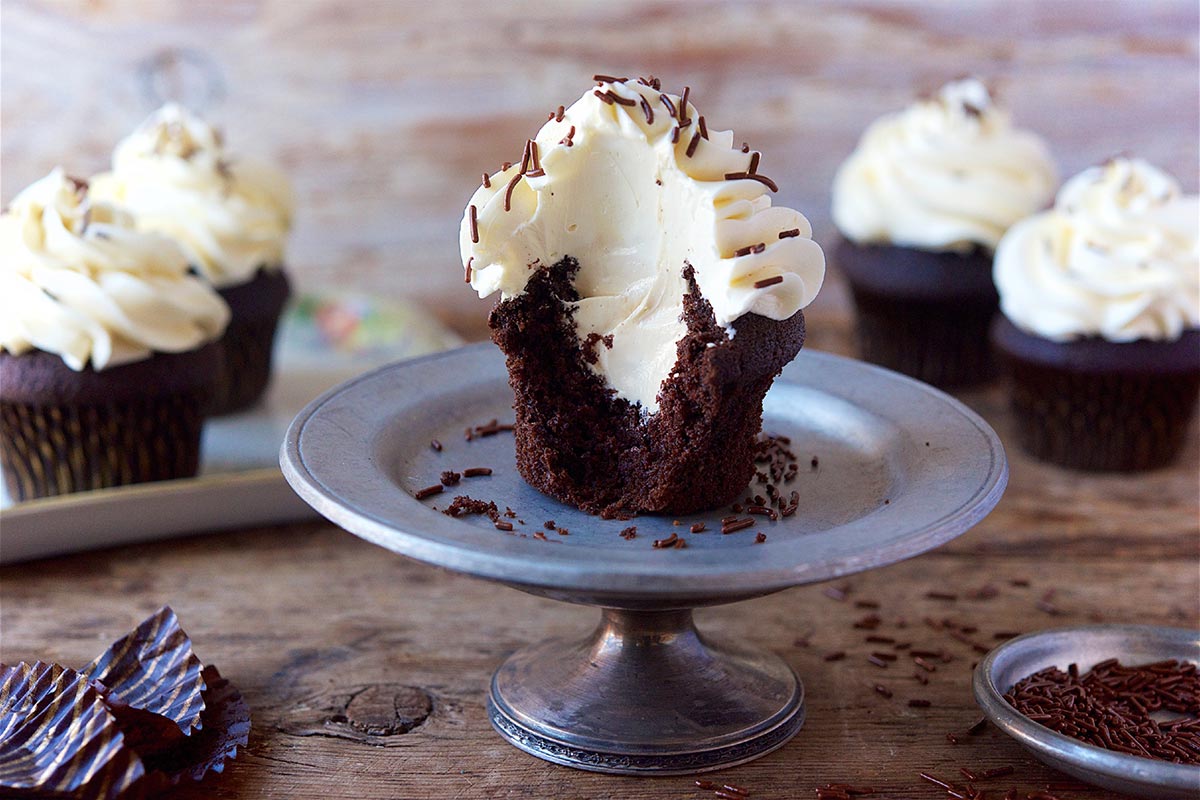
pixel 650 293
pixel 230 215
pixel 108 349
pixel 921 204
pixel 1101 308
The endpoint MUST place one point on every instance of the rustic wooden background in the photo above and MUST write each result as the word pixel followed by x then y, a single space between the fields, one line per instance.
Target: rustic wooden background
pixel 385 113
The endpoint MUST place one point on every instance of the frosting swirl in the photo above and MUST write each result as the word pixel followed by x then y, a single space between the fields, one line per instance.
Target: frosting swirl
pixel 1118 256
pixel 947 173
pixel 230 216
pixel 631 182
pixel 79 280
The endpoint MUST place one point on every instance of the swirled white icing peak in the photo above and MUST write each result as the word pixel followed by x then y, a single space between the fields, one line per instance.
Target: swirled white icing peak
pixel 948 173
pixel 78 279
pixel 1118 256
pixel 633 201
pixel 231 216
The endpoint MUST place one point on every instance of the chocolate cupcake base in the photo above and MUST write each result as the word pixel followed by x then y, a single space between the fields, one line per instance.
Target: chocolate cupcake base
pixel 63 431
pixel 248 342
pixel 579 443
pixel 1096 405
pixel 922 313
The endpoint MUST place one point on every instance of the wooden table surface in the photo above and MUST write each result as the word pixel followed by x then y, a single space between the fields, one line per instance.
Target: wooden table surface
pixel 306 618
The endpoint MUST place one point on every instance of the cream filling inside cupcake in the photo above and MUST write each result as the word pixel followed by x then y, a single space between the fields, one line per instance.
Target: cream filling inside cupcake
pixel 634 193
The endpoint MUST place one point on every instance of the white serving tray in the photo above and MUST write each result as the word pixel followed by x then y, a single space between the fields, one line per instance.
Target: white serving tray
pixel 323 341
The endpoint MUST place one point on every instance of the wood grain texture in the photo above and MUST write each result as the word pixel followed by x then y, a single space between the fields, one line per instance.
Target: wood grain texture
pixel 386 113
pixel 366 672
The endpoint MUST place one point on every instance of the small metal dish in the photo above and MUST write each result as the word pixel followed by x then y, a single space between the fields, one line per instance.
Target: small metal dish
pixel 1087 646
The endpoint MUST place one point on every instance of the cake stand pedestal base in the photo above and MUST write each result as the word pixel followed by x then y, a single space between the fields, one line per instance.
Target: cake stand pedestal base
pixel 645 693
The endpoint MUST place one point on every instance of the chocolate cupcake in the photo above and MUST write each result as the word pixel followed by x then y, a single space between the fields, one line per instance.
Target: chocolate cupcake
pixel 1101 308
pixel 921 204
pixel 107 346
pixel 650 293
pixel 230 216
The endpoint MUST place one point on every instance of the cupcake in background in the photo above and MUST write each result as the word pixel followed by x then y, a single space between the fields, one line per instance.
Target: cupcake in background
pixel 1101 319
pixel 108 351
pixel 231 216
pixel 921 204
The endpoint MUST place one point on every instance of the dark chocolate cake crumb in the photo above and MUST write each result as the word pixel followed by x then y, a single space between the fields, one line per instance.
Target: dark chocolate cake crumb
pixel 589 344
pixel 630 532
pixel 549 525
pixel 450 477
pixel 464 506
pixel 585 446
pixel 760 537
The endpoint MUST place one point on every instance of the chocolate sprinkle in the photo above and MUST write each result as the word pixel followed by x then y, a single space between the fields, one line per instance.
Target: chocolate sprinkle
pixel 471 215
pixel 476 472
pixel 765 282
pixel 428 491
pixel 703 127
pixel 509 191
pixel 691 148
pixel 793 233
pixel 467 270
pixel 667 102
pixel 649 112
pixel 487 181
pixel 606 97
pixel 753 168
pixel 436 445
pixel 754 176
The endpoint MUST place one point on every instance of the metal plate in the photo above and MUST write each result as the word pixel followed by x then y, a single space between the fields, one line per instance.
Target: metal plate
pixel 1086 646
pixel 901 468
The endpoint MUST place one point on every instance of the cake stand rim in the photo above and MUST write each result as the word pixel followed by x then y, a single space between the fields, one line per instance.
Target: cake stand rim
pixel 642 580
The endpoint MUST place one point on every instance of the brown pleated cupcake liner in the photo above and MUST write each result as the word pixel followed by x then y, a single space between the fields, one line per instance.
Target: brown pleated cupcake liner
pixel 52 450
pixel 59 739
pixel 1118 422
pixel 942 343
pixel 154 669
pixel 143 718
pixel 248 343
pixel 247 349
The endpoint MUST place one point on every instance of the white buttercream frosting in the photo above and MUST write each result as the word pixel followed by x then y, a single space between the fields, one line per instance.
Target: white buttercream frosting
pixel 948 173
pixel 1118 256
pixel 230 215
pixel 78 279
pixel 621 194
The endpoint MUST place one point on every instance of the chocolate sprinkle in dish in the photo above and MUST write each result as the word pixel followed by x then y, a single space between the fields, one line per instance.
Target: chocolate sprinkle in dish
pixel 476 472
pixel 918 702
pixel 697 527
pixel 883 690
pixel 1111 706
pixel 504 526
pixel 837 655
pixel 435 445
pixel 428 491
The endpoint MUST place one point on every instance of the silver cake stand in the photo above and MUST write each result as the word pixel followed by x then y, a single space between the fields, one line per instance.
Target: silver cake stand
pixel 889 468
